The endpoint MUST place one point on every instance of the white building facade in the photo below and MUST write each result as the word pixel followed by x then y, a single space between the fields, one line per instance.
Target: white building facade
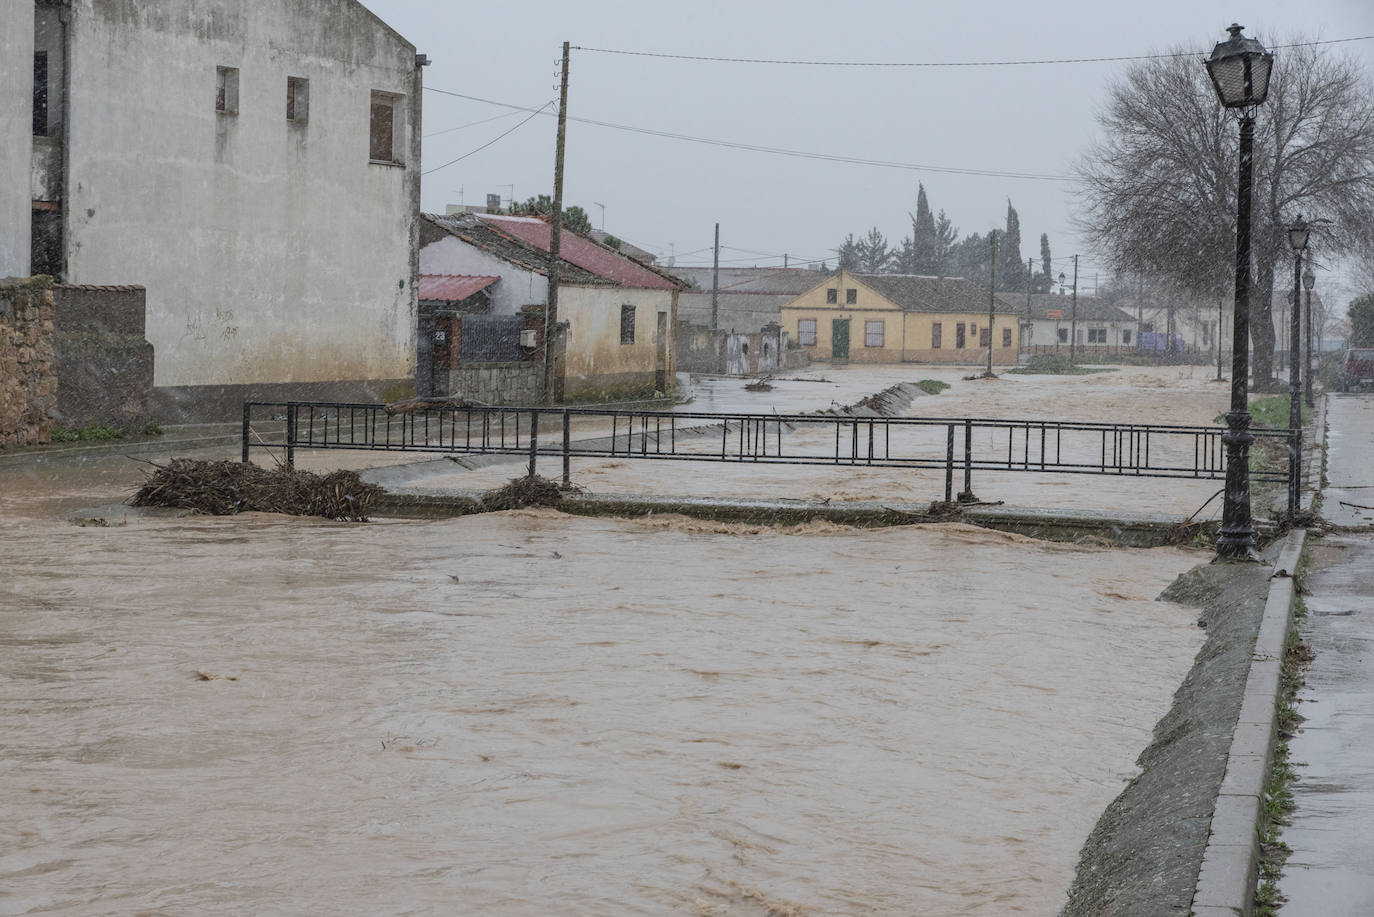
pixel 253 163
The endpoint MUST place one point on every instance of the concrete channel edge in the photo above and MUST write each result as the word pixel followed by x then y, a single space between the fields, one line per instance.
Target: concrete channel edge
pixel 1230 863
pixel 1128 530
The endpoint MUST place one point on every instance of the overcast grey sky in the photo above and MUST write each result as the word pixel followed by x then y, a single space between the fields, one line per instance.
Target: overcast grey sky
pixel 666 194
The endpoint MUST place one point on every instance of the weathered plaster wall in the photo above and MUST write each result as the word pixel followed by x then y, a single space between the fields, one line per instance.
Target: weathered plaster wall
pixel 1045 332
pixel 28 381
pixel 907 337
pixel 273 251
pixel 518 287
pixel 16 134
pixel 596 359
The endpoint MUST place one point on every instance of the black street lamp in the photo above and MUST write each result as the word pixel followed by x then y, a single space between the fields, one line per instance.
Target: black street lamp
pixel 1308 279
pixel 1239 68
pixel 1297 239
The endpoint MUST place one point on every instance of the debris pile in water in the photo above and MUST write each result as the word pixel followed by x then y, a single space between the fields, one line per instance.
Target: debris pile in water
pixel 531 490
pixel 225 488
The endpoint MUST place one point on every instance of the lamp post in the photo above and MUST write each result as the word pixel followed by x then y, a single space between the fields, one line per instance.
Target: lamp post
pixel 1217 335
pixel 1239 69
pixel 1297 239
pixel 1308 279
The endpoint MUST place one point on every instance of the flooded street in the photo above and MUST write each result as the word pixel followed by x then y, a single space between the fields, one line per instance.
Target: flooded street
pixel 529 713
pixel 1129 394
pixel 1154 395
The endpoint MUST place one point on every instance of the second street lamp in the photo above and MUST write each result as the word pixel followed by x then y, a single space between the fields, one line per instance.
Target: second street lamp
pixel 1297 238
pixel 1239 68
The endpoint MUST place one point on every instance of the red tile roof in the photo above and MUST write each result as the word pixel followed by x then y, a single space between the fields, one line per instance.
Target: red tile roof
pixel 584 253
pixel 452 287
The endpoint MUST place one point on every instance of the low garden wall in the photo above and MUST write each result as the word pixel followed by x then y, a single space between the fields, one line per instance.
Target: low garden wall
pixel 28 372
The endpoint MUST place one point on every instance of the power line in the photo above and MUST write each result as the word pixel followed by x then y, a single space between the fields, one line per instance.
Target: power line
pixel 537 111
pixel 449 130
pixel 990 63
pixel 781 151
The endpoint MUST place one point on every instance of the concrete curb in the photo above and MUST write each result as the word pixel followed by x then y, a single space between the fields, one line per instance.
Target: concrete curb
pixel 1230 864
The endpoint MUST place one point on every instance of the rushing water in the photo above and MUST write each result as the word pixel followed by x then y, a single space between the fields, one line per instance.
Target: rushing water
pixel 1170 394
pixel 527 713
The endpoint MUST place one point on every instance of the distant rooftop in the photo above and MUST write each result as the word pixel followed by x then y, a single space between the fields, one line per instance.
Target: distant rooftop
pixel 583 252
pixel 1089 308
pixel 766 280
pixel 918 293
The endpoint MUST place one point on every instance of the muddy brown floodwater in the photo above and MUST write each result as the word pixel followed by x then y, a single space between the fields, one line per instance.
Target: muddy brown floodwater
pixel 528 713
pixel 1155 395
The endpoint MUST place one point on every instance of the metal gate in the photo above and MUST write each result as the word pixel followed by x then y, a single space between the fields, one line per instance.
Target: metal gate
pixel 491 339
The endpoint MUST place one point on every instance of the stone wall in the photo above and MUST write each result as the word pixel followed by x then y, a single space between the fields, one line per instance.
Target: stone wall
pixel 496 383
pixel 28 379
pixel 699 349
pixel 104 364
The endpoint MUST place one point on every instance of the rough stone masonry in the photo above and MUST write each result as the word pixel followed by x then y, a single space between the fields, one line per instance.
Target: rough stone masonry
pixel 28 377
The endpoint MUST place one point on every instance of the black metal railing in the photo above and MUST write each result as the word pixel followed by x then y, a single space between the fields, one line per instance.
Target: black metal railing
pixel 954 445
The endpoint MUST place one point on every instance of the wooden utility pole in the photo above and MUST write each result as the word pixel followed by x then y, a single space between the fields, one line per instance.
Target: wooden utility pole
pixel 715 280
pixel 992 297
pixel 1030 275
pixel 1073 316
pixel 1140 315
pixel 553 388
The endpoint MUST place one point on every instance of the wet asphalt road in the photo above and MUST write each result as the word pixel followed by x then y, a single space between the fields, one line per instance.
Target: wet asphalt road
pixel 1331 870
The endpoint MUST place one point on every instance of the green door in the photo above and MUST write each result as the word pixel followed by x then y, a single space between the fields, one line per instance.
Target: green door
pixel 839 339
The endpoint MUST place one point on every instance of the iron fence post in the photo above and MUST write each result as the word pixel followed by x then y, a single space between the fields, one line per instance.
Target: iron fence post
pixel 966 496
pixel 290 437
pixel 949 463
pixel 534 439
pixel 247 418
pixel 567 448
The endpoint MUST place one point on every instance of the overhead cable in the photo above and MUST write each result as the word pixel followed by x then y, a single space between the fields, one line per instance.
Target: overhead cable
pixel 986 63
pixel 779 151
pixel 536 111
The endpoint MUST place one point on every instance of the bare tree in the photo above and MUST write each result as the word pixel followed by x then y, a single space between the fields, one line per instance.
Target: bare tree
pixel 1160 189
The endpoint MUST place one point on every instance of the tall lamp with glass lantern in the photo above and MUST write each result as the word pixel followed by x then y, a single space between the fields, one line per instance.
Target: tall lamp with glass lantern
pixel 1239 69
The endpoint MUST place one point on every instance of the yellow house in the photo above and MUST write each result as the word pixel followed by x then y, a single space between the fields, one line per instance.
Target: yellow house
pixel 901 318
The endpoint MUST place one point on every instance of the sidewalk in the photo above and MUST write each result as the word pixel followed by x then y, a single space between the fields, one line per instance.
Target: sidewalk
pixel 1331 870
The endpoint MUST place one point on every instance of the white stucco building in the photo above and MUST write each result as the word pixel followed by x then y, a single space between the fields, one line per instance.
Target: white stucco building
pixel 253 163
pixel 1049 321
pixel 619 312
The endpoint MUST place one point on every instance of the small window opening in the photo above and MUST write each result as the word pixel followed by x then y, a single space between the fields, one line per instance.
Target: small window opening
pixel 832 296
pixel 227 90
pixel 627 324
pixel 851 296
pixel 387 128
pixel 297 98
pixel 40 93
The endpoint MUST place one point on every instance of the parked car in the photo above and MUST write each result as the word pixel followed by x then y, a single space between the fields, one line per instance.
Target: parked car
pixel 1357 370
